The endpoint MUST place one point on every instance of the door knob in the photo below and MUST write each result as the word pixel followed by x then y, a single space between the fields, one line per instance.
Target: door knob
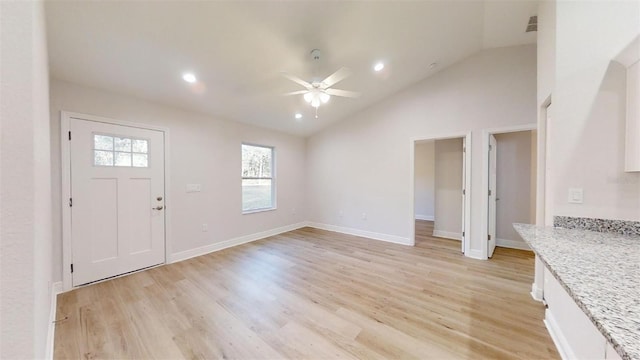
pixel 158 208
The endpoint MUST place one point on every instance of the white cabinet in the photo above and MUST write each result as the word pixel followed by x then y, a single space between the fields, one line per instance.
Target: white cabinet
pixel 575 336
pixel 632 135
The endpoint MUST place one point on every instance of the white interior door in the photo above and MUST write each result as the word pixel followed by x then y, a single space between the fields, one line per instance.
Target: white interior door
pixel 464 190
pixel 493 152
pixel 117 199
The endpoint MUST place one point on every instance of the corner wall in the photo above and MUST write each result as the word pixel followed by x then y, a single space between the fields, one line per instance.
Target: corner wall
pixel 424 181
pixel 362 164
pixel 25 183
pixel 448 186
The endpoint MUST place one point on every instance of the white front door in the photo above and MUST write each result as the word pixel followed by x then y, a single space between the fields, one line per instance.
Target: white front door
pixel 493 152
pixel 117 199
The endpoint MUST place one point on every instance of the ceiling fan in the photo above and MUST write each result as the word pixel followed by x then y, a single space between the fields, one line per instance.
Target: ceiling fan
pixel 319 92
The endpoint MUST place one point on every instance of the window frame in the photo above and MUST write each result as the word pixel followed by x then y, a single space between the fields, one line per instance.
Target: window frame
pixel 274 205
pixel 114 151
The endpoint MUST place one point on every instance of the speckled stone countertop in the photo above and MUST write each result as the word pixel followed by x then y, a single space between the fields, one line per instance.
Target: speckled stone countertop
pixel 601 272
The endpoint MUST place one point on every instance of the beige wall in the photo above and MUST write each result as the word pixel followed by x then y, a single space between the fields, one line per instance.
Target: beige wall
pixel 588 125
pixel 424 180
pixel 514 175
pixel 202 150
pixel 25 184
pixel 448 188
pixel 362 164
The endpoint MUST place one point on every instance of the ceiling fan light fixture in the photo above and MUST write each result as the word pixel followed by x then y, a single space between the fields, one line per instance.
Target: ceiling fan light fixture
pixel 308 97
pixel 324 97
pixel 315 102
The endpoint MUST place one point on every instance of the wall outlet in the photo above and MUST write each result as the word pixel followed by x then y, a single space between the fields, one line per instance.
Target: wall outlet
pixel 575 196
pixel 293 211
pixel 364 216
pixel 205 227
pixel 194 188
pixel 340 214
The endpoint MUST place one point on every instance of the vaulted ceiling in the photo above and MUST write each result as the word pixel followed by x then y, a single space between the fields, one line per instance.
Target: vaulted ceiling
pixel 238 49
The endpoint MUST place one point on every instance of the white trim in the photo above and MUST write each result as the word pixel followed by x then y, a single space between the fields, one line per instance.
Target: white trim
pixel 536 292
pixel 425 217
pixel 65 152
pixel 484 207
pixel 448 235
pixel 363 233
pixel 203 250
pixel 56 288
pixel 512 244
pixel 476 254
pixel 558 338
pixel 466 136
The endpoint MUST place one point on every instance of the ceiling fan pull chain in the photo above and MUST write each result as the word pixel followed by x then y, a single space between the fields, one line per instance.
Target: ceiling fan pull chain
pixel 316 113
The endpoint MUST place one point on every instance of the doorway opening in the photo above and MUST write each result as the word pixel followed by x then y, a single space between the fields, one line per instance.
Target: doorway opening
pixel 512 186
pixel 441 177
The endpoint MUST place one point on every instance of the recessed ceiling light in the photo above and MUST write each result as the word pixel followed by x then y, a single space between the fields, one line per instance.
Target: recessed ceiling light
pixel 379 66
pixel 298 116
pixel 189 77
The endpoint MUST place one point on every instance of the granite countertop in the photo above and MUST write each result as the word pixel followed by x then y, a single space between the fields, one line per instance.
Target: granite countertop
pixel 601 272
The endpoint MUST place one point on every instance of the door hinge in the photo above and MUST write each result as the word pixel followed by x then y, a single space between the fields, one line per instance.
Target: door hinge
pixel 72 268
pixel 489 237
pixel 69 135
pixel 70 202
pixel 463 234
pixel 490 147
pixel 464 192
pixel 489 192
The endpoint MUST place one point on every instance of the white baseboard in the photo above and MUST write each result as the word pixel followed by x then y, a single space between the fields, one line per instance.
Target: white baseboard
pixel 512 244
pixel 447 235
pixel 536 292
pixel 558 338
pixel 425 217
pixel 475 254
pixel 56 288
pixel 363 233
pixel 203 250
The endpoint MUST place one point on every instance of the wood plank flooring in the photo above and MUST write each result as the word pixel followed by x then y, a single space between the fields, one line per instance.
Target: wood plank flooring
pixel 318 295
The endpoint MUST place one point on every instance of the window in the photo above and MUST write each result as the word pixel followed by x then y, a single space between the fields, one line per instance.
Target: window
pixel 120 151
pixel 258 188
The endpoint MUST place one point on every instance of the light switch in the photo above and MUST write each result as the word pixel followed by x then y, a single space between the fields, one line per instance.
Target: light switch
pixel 194 188
pixel 575 195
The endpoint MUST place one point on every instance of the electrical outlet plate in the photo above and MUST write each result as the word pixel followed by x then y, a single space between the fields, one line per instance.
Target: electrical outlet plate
pixel 576 196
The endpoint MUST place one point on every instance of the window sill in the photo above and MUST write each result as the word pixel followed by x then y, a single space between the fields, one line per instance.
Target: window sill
pixel 258 210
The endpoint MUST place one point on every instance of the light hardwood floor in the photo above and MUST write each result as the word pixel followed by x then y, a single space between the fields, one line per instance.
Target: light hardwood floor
pixel 318 295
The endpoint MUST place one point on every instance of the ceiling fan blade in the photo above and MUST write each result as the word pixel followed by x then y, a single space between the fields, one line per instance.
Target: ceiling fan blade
pixel 300 92
pixel 336 77
pixel 297 80
pixel 344 93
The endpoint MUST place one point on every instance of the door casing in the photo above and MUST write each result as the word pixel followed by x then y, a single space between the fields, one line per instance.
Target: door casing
pixel 65 117
pixel 485 177
pixel 466 141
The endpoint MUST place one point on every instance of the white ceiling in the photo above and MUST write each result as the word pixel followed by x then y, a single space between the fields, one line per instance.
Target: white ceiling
pixel 238 49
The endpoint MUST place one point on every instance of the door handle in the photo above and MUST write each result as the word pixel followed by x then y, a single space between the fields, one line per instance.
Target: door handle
pixel 158 208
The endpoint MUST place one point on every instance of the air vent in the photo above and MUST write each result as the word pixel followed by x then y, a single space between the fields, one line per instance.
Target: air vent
pixel 533 24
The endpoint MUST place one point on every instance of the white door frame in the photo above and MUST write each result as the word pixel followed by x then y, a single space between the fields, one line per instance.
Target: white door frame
pixel 65 118
pixel 484 213
pixel 466 136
